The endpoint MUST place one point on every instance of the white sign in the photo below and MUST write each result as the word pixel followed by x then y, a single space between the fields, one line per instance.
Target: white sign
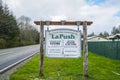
pixel 63 43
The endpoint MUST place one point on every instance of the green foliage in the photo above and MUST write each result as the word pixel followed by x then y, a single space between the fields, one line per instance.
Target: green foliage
pixel 11 31
pixel 8 25
pixel 2 43
pixel 28 32
pixel 24 43
pixel 8 28
pixel 100 68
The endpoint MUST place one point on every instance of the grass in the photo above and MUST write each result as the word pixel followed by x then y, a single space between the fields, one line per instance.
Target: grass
pixel 100 68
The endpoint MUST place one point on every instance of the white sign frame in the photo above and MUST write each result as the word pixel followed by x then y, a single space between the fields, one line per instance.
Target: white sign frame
pixel 63 43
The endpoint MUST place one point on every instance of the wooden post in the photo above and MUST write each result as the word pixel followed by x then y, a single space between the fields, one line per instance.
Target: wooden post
pixel 85 49
pixel 41 73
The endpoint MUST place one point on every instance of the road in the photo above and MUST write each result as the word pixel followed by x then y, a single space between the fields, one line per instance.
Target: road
pixel 13 55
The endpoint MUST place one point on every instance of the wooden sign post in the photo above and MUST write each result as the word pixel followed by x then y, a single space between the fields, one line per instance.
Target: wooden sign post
pixel 85 49
pixel 41 47
pixel 72 23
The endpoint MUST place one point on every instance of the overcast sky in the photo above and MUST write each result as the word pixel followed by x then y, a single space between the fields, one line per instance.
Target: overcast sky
pixel 104 13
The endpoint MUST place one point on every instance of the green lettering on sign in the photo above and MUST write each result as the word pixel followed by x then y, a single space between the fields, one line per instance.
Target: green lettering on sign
pixel 62 36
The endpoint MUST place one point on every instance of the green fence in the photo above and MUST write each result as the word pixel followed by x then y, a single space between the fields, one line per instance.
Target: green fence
pixel 110 49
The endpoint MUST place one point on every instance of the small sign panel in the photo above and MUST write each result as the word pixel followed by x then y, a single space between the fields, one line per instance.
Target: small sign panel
pixel 62 43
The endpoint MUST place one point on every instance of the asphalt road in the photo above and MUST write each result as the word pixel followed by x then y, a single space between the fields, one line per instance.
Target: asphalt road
pixel 12 55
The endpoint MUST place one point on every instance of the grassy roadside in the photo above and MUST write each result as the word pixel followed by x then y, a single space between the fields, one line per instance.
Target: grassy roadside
pixel 100 68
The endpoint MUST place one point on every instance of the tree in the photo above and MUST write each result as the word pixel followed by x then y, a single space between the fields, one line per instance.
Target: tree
pixel 27 31
pixel 115 30
pixel 118 29
pixel 92 34
pixel 6 10
pixel 9 30
pixel 106 34
pixel 101 34
pixel 1 9
pixel 8 27
pixel 12 32
pixel 0 1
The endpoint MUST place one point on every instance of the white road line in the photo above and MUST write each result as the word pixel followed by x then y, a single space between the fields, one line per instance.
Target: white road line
pixel 5 53
pixel 17 62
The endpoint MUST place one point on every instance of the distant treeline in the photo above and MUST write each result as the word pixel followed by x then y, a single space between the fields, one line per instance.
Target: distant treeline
pixel 115 30
pixel 15 32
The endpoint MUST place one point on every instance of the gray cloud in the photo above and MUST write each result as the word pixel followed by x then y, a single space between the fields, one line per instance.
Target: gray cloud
pixel 102 15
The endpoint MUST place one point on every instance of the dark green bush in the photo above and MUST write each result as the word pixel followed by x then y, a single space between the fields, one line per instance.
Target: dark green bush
pixel 2 43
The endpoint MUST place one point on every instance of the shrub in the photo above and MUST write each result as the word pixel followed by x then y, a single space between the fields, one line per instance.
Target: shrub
pixel 2 43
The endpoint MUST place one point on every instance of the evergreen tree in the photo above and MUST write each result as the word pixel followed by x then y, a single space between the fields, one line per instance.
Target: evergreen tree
pixel 1 9
pixel 101 34
pixel 92 34
pixel 8 27
pixel 119 29
pixel 106 34
pixel 9 30
pixel 115 30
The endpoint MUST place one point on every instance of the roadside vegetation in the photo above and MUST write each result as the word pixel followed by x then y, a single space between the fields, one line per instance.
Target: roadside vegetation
pixel 100 68
pixel 15 32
